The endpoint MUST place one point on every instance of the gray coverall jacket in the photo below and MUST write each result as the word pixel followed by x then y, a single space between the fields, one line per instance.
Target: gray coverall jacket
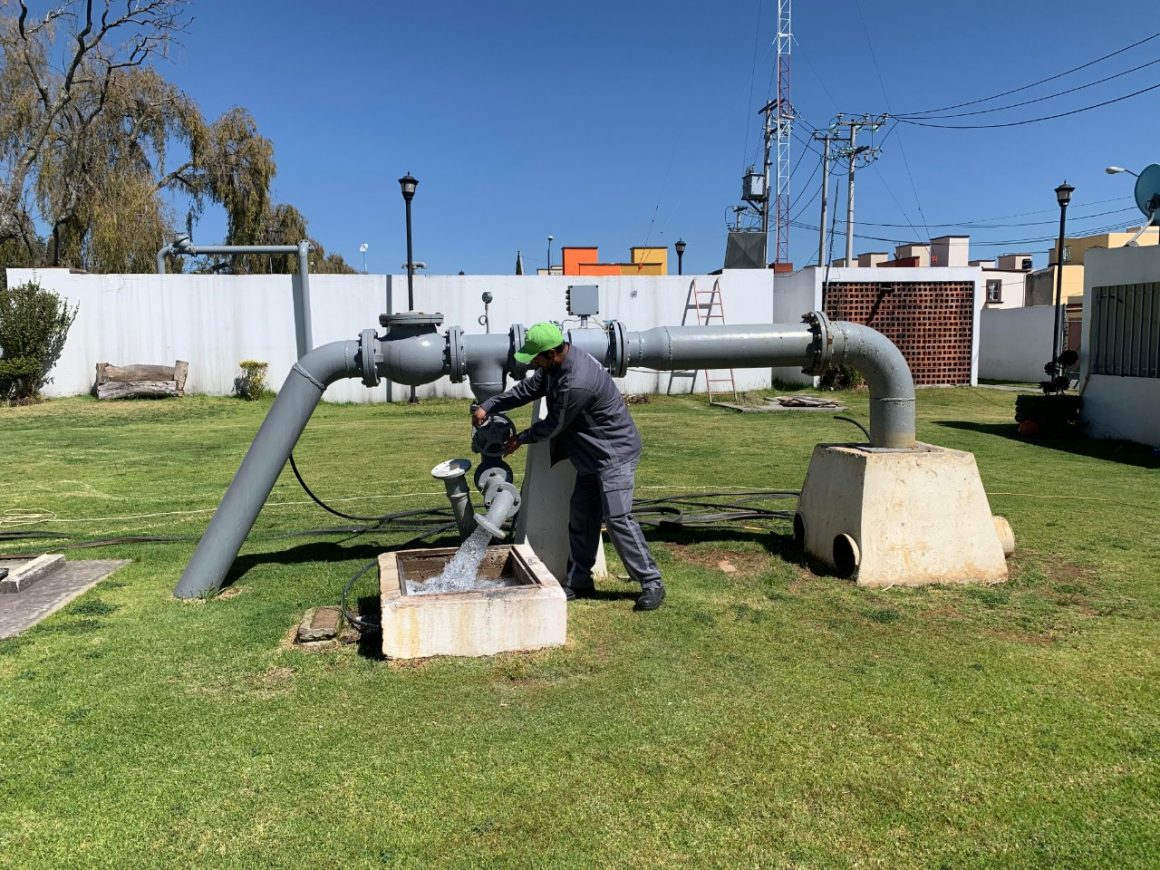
pixel 588 422
pixel 587 419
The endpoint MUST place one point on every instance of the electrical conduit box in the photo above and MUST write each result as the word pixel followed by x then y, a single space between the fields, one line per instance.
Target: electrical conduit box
pixel 583 300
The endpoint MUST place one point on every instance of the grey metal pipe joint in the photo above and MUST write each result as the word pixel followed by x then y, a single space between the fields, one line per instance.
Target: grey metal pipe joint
pixel 501 499
pixel 892 402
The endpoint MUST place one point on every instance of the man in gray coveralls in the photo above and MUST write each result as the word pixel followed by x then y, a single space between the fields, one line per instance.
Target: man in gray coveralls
pixel 588 423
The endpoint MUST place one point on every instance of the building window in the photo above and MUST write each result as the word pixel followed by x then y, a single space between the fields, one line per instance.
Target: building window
pixel 994 290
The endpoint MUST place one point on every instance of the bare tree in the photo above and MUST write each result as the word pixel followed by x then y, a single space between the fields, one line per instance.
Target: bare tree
pixel 53 87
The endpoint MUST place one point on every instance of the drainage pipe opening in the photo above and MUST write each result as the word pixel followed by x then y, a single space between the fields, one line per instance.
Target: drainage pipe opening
pixel 846 555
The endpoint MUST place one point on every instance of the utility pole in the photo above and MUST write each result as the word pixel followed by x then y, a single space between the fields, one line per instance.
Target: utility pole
pixel 826 138
pixel 851 151
pixel 767 136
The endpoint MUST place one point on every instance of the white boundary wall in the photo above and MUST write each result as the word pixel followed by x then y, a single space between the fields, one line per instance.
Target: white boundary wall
pixel 215 321
pixel 1118 407
pixel 1015 343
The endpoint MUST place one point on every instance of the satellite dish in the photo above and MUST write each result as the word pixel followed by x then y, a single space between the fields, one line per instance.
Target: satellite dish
pixel 1148 193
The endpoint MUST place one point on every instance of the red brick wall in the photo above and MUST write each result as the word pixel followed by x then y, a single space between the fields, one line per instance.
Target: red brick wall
pixel 930 322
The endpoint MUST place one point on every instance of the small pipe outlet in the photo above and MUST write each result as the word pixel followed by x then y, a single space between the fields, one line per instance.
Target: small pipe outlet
pixel 502 500
pixel 453 473
pixel 1006 534
pixel 847 556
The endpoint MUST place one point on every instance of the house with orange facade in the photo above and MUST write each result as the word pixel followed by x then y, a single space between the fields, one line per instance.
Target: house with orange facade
pixel 585 260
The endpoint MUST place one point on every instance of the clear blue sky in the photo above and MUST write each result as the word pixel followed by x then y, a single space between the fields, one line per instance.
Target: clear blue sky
pixel 621 124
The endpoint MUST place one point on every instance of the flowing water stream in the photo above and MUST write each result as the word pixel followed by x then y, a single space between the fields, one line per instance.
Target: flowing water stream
pixel 461 573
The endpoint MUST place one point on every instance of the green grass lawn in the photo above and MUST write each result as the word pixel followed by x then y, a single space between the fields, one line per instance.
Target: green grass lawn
pixel 764 717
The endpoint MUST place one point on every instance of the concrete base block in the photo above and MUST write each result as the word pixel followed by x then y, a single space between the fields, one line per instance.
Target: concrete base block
pixel 543 518
pixel 900 517
pixel 531 614
pixel 20 578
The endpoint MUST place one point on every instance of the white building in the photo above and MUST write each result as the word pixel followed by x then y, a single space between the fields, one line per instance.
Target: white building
pixel 1120 351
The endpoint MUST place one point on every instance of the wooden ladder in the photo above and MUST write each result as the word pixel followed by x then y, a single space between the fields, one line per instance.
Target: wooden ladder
pixel 708 307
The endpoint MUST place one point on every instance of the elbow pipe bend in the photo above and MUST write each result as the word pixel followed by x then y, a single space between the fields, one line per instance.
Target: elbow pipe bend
pixel 888 376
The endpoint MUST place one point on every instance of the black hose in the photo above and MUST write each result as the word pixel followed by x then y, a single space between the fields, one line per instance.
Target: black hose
pixel 324 505
pixel 856 423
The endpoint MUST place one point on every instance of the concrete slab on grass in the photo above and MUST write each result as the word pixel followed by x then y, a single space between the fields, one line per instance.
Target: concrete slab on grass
pixel 20 611
pixel 23 573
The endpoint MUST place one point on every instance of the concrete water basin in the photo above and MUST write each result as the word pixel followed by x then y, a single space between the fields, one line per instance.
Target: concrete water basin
pixel 528 612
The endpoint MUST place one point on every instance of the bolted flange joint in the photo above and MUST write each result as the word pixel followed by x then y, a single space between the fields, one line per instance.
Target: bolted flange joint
pixel 822 349
pixel 367 358
pixel 456 355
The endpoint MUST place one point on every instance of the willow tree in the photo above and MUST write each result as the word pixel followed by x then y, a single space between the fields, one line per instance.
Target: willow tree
pixel 52 87
pixel 89 150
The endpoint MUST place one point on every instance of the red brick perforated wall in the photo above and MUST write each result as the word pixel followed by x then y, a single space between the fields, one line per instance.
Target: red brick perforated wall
pixel 931 323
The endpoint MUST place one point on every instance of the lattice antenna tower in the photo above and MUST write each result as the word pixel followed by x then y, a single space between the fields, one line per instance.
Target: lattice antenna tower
pixel 783 128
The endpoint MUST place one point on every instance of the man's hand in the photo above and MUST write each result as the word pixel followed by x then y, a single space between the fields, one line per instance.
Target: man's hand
pixel 511 446
pixel 478 417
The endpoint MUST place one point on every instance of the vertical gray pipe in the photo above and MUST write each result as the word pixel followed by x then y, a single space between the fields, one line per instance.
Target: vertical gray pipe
pixel 888 377
pixel 303 330
pixel 264 461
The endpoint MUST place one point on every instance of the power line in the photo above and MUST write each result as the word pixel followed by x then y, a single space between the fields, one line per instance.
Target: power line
pixel 982 243
pixel 1040 82
pixel 901 147
pixel 1030 120
pixel 1038 99
pixel 979 224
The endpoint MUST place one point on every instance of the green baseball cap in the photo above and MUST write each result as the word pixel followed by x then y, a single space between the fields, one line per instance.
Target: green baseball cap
pixel 541 337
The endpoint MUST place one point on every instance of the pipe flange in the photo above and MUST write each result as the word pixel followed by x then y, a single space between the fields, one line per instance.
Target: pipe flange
pixel 456 355
pixel 495 489
pixel 451 469
pixel 488 475
pixel 617 349
pixel 406 324
pixel 823 346
pixel 515 368
pixel 367 342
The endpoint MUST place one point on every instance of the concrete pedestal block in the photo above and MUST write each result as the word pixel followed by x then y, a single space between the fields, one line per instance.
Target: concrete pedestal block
pixel 531 614
pixel 908 517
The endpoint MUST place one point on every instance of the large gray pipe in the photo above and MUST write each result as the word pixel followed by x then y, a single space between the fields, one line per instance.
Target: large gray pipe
pixel 816 346
pixel 264 461
pixel 413 353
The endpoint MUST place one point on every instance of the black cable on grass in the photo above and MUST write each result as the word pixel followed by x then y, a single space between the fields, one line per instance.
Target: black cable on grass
pixel 321 503
pixel 856 423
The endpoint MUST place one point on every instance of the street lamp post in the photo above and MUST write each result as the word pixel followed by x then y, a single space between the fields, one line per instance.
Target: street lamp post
pixel 680 247
pixel 407 184
pixel 550 237
pixel 362 249
pixel 1063 197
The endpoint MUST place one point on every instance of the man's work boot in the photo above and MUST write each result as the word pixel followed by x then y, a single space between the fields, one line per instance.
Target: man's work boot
pixel 572 593
pixel 650 598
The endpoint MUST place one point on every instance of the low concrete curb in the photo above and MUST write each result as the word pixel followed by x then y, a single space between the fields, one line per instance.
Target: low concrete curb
pixel 21 578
